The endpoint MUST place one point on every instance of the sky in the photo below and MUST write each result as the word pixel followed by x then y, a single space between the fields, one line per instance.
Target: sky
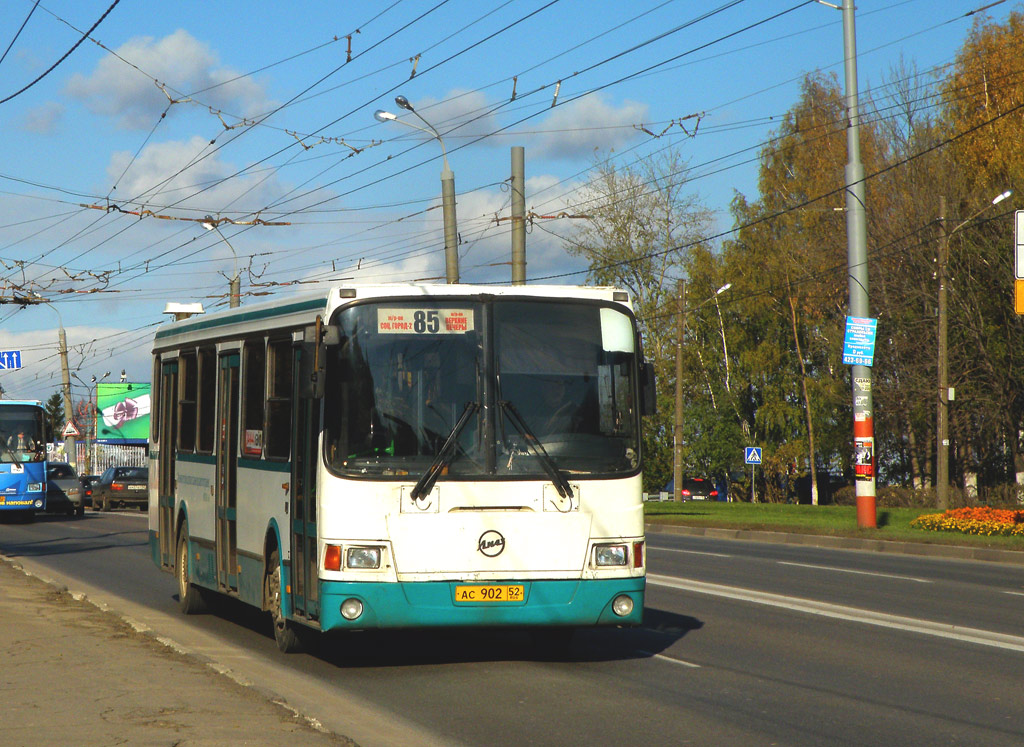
pixel 126 123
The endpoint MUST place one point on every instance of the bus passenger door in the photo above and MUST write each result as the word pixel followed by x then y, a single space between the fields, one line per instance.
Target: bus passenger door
pixel 305 440
pixel 227 471
pixel 165 465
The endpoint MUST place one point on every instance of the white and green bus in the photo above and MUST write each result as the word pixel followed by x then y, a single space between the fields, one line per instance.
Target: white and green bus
pixel 398 456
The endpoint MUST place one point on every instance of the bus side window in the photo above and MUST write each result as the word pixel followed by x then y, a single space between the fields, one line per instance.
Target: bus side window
pixel 207 399
pixel 189 388
pixel 279 399
pixel 253 376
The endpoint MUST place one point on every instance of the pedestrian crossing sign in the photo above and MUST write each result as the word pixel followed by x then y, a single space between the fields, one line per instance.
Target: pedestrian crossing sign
pixel 752 454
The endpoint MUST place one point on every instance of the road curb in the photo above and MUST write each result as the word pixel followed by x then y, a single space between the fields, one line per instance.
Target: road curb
pixel 957 552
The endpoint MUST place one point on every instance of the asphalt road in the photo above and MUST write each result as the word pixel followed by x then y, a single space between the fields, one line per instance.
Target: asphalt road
pixel 742 641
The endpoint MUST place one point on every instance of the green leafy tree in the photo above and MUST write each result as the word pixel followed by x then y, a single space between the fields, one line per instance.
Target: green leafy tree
pixel 54 407
pixel 642 223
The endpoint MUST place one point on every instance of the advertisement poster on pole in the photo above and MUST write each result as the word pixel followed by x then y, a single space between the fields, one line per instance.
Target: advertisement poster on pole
pixel 122 413
pixel 864 458
pixel 859 342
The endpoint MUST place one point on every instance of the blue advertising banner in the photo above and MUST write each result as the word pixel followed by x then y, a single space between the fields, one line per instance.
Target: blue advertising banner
pixel 859 343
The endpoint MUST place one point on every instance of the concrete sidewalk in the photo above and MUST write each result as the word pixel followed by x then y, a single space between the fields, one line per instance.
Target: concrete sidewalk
pixel 74 674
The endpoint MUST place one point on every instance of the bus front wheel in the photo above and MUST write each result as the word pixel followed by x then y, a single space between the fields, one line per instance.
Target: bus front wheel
pixel 288 640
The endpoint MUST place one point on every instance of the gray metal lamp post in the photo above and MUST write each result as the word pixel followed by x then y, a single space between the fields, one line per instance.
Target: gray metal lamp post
pixel 677 438
pixel 451 249
pixel 90 445
pixel 70 445
pixel 236 284
pixel 942 421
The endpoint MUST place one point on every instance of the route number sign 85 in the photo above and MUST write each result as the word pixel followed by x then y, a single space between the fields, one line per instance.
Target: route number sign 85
pixel 430 321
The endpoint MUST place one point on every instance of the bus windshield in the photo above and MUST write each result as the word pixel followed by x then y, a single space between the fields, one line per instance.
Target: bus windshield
pixel 22 437
pixel 404 372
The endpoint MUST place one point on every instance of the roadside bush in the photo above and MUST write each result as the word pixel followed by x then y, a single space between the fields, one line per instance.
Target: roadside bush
pixel 894 496
pixel 1004 495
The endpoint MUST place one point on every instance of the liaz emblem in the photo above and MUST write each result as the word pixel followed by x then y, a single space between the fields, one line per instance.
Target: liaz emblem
pixel 491 543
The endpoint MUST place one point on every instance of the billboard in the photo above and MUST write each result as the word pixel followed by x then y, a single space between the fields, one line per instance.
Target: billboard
pixel 122 413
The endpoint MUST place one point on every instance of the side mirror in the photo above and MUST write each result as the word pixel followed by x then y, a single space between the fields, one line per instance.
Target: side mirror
pixel 313 358
pixel 648 392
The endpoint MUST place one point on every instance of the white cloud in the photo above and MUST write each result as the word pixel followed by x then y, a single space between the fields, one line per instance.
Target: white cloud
pixel 159 174
pixel 43 119
pixel 576 129
pixel 91 351
pixel 179 60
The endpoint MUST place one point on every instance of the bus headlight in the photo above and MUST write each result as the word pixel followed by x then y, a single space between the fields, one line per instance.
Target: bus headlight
pixel 362 557
pixel 610 555
pixel 34 487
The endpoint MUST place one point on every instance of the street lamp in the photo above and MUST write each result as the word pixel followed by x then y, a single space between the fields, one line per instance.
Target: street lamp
pixel 942 421
pixel 235 287
pixel 677 451
pixel 90 445
pixel 451 250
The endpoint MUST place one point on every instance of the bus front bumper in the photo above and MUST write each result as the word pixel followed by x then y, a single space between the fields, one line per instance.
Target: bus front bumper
pixel 435 604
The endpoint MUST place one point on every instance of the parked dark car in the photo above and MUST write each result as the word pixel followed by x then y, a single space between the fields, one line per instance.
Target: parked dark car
pixel 699 489
pixel 121 487
pixel 88 482
pixel 63 490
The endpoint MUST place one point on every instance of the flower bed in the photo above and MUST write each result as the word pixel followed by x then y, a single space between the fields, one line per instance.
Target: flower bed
pixel 983 521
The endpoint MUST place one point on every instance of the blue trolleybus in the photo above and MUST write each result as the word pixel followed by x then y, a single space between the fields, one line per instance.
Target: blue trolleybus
pixel 22 458
pixel 403 456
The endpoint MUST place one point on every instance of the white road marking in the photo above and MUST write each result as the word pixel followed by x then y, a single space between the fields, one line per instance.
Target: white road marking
pixel 861 573
pixel 1015 593
pixel 841 612
pixel 690 552
pixel 669 658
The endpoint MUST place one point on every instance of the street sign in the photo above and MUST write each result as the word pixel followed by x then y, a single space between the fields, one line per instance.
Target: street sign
pixel 70 430
pixel 859 343
pixel 10 360
pixel 752 454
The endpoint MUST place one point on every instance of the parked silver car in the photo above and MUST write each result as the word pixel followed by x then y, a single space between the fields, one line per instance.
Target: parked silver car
pixel 63 490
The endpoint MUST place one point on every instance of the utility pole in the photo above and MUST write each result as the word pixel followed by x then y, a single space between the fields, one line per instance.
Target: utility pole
pixel 70 445
pixel 518 215
pixel 857 263
pixel 677 438
pixel 451 234
pixel 942 421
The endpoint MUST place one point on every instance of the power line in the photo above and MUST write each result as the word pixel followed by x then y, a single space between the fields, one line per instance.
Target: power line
pixel 64 57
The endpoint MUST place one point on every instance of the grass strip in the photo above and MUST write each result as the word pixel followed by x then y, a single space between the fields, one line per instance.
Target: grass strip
pixel 836 521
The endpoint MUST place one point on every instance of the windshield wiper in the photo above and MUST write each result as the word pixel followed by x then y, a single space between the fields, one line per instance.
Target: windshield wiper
pixel 444 456
pixel 561 484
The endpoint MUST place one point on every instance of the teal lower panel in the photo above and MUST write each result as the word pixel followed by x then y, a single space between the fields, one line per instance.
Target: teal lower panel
pixel 204 564
pixel 250 580
pixel 432 604
pixel 154 548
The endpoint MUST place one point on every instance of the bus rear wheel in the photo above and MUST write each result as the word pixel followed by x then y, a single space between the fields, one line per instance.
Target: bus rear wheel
pixel 190 597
